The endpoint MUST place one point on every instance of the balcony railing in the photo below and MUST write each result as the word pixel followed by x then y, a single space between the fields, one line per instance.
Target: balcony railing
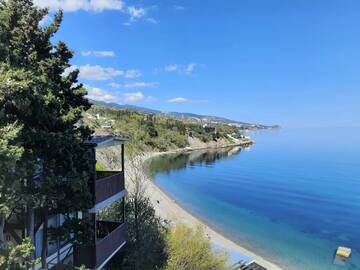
pixel 108 184
pixel 93 256
pixel 106 246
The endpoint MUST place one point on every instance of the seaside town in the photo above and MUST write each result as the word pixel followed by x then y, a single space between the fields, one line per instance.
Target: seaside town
pixel 215 154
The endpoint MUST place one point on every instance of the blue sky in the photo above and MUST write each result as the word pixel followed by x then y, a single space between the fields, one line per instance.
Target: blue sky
pixel 293 63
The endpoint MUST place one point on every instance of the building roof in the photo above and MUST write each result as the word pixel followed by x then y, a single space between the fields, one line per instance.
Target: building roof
pixel 105 141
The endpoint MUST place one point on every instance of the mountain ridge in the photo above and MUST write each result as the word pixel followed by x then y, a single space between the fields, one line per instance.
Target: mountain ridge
pixel 206 119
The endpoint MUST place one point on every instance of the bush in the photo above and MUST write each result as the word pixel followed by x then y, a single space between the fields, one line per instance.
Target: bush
pixel 189 249
pixel 17 257
pixel 145 248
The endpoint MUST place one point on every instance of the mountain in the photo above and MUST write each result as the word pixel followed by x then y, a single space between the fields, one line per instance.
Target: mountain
pixel 114 105
pixel 208 119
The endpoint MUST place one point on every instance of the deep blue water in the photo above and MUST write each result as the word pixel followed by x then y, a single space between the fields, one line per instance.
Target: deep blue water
pixel 294 197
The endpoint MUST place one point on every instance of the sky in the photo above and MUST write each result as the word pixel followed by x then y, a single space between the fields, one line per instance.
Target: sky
pixel 294 63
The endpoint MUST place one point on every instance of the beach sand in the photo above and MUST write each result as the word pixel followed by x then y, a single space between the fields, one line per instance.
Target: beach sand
pixel 168 209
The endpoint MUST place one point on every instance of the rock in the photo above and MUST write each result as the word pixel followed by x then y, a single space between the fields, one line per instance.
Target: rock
pixel 343 252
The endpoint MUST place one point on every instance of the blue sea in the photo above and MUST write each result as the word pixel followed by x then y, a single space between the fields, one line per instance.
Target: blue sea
pixel 293 197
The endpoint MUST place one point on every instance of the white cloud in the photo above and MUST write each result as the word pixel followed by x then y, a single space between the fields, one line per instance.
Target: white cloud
pixel 142 85
pixel 115 85
pixel 182 69
pixel 98 94
pixel 69 70
pixel 135 14
pixel 171 68
pixel 178 7
pixel 104 53
pixel 152 20
pixel 178 100
pixel 46 20
pixel 75 5
pixel 99 73
pixel 134 97
pixel 86 53
pixel 98 53
pixel 99 5
pixel 190 68
pixel 132 73
pixel 186 100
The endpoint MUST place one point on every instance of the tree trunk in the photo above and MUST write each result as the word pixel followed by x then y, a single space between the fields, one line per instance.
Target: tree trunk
pixel 30 227
pixel 31 224
pixel 2 228
pixel 44 247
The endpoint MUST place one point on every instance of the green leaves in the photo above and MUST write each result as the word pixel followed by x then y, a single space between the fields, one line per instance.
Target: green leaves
pixel 45 164
pixel 190 249
pixel 17 256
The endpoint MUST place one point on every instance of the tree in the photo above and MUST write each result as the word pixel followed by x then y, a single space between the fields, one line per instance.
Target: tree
pixel 42 102
pixel 145 248
pixel 17 257
pixel 9 155
pixel 190 249
pixel 151 127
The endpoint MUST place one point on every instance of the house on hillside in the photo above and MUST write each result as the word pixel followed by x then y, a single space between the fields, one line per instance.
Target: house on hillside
pixel 108 234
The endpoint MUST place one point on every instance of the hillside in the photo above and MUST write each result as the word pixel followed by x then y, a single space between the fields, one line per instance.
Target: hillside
pixel 189 116
pixel 151 132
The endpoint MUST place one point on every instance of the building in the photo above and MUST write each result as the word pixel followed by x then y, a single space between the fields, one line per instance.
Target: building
pixel 108 234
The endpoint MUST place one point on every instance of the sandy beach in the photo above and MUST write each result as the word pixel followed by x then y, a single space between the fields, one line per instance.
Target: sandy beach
pixel 168 209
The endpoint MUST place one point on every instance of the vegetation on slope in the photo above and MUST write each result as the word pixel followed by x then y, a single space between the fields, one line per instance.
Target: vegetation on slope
pixel 190 249
pixel 160 133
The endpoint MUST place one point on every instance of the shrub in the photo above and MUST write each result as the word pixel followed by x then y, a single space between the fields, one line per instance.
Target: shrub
pixel 17 257
pixel 189 249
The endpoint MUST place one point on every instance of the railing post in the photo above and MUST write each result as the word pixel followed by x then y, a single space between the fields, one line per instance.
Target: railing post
pixel 122 157
pixel 123 206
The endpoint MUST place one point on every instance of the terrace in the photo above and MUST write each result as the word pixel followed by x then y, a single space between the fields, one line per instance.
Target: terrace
pixel 108 213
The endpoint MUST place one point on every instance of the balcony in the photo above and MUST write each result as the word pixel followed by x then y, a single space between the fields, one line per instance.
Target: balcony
pixel 110 238
pixel 108 184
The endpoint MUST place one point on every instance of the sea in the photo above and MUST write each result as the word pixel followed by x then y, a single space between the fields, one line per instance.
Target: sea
pixel 293 197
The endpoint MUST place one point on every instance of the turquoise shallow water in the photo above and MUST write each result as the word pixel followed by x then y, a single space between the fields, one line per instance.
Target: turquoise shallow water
pixel 294 197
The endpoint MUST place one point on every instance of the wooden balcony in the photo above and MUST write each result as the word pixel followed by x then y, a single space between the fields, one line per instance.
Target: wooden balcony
pixel 108 184
pixel 94 256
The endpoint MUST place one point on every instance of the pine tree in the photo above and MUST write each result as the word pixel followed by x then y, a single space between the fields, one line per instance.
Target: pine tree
pixel 41 103
pixel 9 155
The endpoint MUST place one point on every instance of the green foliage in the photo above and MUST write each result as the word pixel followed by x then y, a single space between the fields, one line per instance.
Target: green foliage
pixel 10 154
pixel 17 257
pixel 159 133
pixel 190 249
pixel 100 167
pixel 41 103
pixel 145 249
pixel 114 212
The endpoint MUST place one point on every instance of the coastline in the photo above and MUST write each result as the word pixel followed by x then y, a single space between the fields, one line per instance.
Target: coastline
pixel 168 209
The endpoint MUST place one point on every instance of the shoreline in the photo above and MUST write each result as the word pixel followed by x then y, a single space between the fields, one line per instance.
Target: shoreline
pixel 168 209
